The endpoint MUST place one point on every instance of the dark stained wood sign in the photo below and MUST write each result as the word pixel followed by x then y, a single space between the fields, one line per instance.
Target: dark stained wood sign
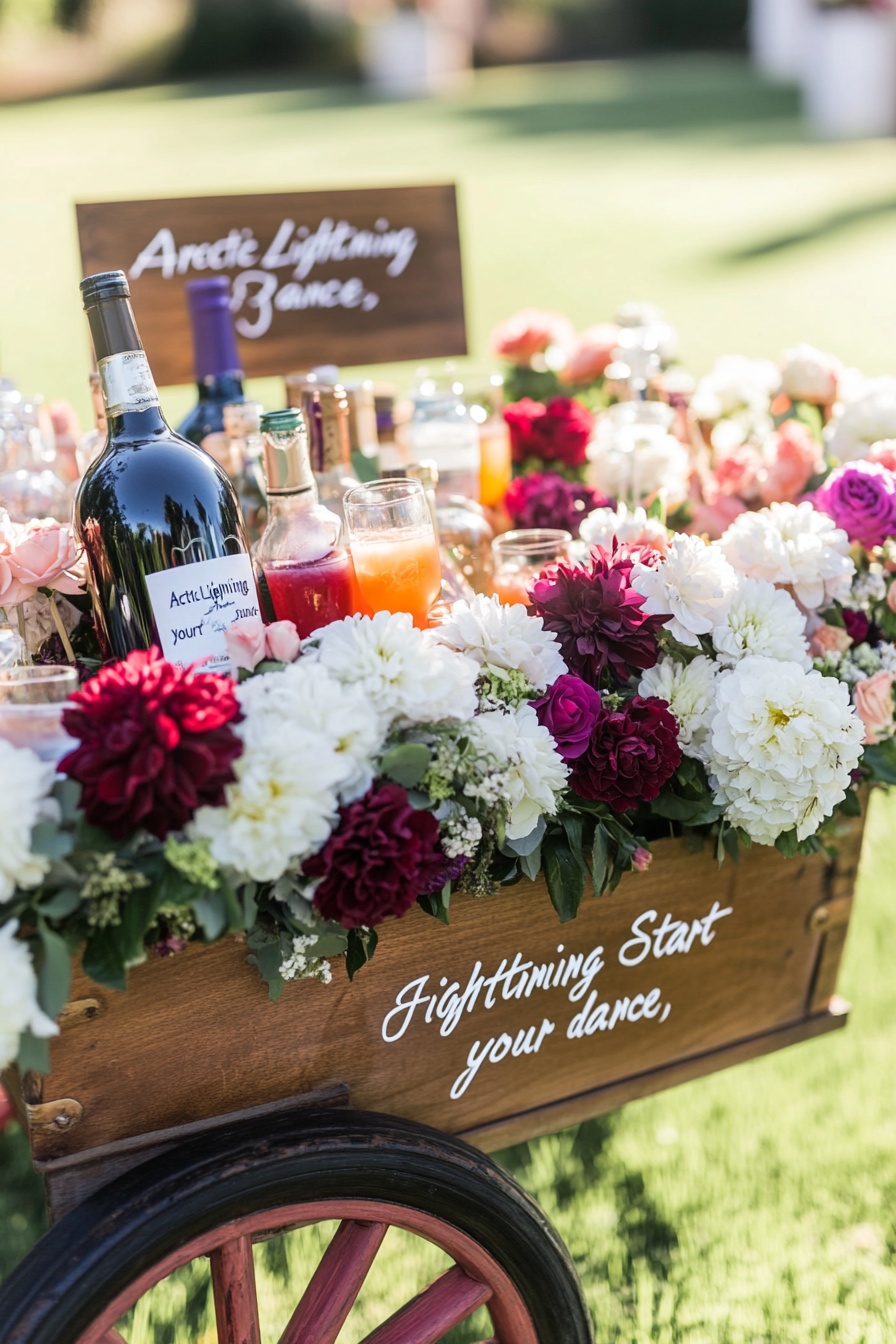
pixel 317 277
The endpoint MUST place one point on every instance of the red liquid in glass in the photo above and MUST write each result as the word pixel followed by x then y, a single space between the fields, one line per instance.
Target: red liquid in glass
pixel 314 593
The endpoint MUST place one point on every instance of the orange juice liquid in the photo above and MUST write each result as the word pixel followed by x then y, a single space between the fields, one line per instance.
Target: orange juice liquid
pixel 514 586
pixel 494 461
pixel 398 572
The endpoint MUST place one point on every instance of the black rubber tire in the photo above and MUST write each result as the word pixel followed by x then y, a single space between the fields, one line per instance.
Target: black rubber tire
pixel 122 1230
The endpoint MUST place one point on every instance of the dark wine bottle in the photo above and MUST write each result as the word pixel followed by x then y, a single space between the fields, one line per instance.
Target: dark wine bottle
pixel 159 519
pixel 219 378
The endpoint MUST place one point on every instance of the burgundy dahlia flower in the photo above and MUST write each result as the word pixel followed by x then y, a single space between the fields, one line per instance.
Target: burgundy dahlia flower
pixel 632 753
pixel 597 616
pixel 556 432
pixel 546 499
pixel 155 743
pixel 382 855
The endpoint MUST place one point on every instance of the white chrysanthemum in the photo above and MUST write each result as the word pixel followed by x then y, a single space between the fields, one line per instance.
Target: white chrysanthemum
pixel 25 782
pixel 793 546
pixel 762 620
pixel 283 803
pixel 693 583
pixel 502 636
pixel 783 746
pixel 304 693
pixel 630 460
pixel 19 1009
pixel 733 384
pixel 533 772
pixel 689 691
pixel 632 527
pixel 867 414
pixel 401 673
pixel 808 374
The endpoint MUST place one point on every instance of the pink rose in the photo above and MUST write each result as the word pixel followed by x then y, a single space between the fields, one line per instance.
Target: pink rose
pixel 529 332
pixel 641 859
pixel 829 639
pixel 883 453
pixel 791 457
pixel 590 355
pixel 245 641
pixel 736 471
pixel 873 699
pixel 12 592
pixel 40 554
pixel 281 641
pixel 714 516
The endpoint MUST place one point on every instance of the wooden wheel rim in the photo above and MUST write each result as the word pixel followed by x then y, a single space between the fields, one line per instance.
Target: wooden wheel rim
pixel 229 1246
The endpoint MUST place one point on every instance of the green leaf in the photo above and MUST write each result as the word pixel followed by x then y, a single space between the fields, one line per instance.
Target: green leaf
pixel 89 837
pixel 267 955
pixel 689 811
pixel 565 879
pixel 880 759
pixel 60 904
pixel 104 959
pixel 527 844
pixel 788 844
pixel 657 507
pixel 600 859
pixel 406 764
pixel 54 977
pixel 573 827
pixel 731 842
pixel 50 842
pixel 436 903
pixel 531 863
pixel 211 912
pixel 67 793
pixel 361 947
pixel 330 943
pixel 34 1053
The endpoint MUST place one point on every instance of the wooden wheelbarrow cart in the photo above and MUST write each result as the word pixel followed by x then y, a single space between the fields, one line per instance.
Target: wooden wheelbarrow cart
pixel 192 1117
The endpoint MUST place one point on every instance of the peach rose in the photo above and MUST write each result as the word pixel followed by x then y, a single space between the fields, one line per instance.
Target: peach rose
pixel 736 471
pixel 828 639
pixel 40 554
pixel 791 458
pixel 245 642
pixel 281 641
pixel 883 453
pixel 873 699
pixel 529 332
pixel 715 517
pixel 589 357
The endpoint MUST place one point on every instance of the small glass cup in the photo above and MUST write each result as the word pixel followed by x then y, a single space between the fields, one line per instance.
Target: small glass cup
pixel 520 556
pixel 32 700
pixel 394 548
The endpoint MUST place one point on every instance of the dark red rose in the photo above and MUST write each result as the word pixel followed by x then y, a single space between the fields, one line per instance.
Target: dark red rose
pixel 546 499
pixel 569 710
pixel 382 855
pixel 597 616
pixel 857 625
pixel 155 744
pixel 557 432
pixel 632 753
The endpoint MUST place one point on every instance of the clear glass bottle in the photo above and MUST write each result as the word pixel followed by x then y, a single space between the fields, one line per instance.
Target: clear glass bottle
pixel 242 429
pixel 441 429
pixel 30 484
pixel 93 442
pixel 302 556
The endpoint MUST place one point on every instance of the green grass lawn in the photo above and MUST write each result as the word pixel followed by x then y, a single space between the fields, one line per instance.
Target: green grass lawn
pixel 758 1205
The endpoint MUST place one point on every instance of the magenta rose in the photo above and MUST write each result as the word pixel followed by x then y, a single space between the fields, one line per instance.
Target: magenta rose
pixel 558 432
pixel 546 499
pixel 382 855
pixel 861 498
pixel 632 753
pixel 569 710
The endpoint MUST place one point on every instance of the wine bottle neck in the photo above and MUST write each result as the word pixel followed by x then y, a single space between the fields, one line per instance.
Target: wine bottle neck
pixel 221 387
pixel 125 376
pixel 214 342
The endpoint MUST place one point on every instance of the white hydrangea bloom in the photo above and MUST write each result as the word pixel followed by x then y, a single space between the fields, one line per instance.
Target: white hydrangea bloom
pixel 403 675
pixel 499 635
pixel 793 546
pixel 735 384
pixel 25 782
pixel 19 1009
pixel 532 770
pixel 631 527
pixel 631 460
pixel 809 374
pixel 867 414
pixel 693 583
pixel 689 691
pixel 783 745
pixel 763 620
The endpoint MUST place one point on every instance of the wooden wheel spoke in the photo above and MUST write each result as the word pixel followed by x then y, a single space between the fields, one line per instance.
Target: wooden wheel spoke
pixel 335 1284
pixel 435 1311
pixel 233 1282
pixel 113 1337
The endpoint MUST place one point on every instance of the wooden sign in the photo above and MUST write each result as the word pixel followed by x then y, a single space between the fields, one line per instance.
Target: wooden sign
pixel 318 277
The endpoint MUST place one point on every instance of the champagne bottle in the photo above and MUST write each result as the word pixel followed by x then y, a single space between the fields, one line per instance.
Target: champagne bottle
pixel 159 519
pixel 219 378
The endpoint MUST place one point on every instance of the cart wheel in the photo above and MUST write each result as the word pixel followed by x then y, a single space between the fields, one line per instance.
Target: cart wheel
pixel 214 1196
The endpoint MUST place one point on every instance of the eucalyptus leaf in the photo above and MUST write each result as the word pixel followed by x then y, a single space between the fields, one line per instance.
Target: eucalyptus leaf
pixel 34 1053
pixel 54 977
pixel 67 793
pixel 50 842
pixel 60 904
pixel 211 912
pixel 268 957
pixel 531 863
pixel 406 764
pixel 527 844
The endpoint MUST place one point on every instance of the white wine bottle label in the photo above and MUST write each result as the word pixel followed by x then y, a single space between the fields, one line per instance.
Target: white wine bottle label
pixel 127 383
pixel 195 605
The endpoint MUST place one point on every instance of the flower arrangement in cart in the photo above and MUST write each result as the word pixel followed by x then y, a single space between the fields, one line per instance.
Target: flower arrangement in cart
pixel 734 684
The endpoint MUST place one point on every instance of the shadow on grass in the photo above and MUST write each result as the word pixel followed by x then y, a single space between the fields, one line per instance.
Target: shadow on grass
pixel 822 229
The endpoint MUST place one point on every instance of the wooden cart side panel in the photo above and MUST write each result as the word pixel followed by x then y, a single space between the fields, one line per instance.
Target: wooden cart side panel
pixel 195 1035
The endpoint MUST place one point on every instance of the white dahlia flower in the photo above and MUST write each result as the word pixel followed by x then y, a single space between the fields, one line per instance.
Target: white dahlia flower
pixel 401 672
pixel 793 546
pixel 868 413
pixel 19 1009
pixel 632 527
pixel 689 691
pixel 693 583
pixel 763 620
pixel 734 384
pixel 25 782
pixel 783 745
pixel 524 755
pixel 498 635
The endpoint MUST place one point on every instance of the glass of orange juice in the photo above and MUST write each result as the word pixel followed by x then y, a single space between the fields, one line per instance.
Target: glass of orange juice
pixel 394 547
pixel 520 556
